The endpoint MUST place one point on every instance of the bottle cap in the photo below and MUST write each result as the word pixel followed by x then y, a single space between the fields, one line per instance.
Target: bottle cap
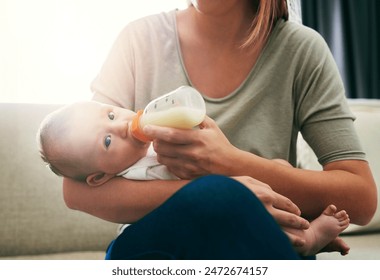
pixel 136 129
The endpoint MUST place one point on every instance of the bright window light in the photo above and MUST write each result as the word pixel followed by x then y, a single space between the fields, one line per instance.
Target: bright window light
pixel 51 50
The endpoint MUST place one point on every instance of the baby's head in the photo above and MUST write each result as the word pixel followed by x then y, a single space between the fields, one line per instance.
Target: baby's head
pixel 89 141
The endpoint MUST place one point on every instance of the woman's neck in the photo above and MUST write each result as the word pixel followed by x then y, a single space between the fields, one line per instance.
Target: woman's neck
pixel 211 47
pixel 226 28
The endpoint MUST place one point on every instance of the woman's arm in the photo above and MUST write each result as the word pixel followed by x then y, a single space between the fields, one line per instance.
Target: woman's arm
pixel 348 184
pixel 126 201
pixel 119 200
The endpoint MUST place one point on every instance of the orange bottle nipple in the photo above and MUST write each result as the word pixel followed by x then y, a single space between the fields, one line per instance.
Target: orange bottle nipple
pixel 136 130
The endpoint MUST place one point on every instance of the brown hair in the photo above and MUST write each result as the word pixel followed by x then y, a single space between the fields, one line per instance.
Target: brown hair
pixel 268 12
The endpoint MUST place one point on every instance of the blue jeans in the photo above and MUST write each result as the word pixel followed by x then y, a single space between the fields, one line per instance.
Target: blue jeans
pixel 213 217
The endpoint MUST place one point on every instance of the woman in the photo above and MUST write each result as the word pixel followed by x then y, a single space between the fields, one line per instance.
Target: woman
pixel 264 79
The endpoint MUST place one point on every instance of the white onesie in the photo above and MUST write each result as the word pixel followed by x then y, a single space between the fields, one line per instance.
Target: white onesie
pixel 148 168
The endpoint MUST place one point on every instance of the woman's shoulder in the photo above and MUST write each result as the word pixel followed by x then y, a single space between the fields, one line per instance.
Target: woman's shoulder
pixel 164 21
pixel 298 42
pixel 147 32
pixel 297 35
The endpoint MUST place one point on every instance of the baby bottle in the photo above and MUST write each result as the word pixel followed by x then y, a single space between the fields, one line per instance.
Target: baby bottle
pixel 182 108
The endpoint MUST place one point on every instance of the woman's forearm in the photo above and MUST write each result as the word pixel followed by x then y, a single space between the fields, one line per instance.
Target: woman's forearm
pixel 119 200
pixel 348 184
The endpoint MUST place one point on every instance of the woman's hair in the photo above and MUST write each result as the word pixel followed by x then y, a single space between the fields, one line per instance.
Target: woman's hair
pixel 267 14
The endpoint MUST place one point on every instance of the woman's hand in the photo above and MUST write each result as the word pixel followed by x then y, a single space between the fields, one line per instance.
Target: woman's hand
pixel 283 210
pixel 192 153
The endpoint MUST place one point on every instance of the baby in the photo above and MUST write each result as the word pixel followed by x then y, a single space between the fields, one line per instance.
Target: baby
pixel 92 142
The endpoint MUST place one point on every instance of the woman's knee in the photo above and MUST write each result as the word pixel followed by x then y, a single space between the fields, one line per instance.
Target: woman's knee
pixel 217 196
pixel 215 186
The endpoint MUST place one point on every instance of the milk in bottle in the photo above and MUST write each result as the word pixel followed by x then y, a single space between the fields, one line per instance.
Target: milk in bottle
pixel 182 108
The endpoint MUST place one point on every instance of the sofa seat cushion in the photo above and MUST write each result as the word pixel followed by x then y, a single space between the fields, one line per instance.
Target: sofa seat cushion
pixel 96 255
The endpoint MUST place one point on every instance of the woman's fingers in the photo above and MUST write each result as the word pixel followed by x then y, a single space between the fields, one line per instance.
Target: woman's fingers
pixel 265 193
pixel 284 203
pixel 287 213
pixel 176 135
pixel 287 219
pixel 168 134
pixel 295 240
pixel 181 168
pixel 283 210
pixel 190 153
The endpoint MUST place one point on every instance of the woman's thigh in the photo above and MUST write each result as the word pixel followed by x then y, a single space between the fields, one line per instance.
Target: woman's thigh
pixel 213 217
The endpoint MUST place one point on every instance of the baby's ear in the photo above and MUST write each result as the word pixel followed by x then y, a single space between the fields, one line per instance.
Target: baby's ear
pixel 98 178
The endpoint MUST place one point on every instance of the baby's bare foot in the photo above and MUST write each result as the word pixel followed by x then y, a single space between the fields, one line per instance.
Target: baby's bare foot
pixel 337 245
pixel 324 231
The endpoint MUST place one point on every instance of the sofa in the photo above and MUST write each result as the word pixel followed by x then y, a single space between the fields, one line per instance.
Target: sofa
pixel 36 224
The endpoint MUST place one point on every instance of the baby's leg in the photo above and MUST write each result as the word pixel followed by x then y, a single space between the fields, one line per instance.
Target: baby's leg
pixel 323 233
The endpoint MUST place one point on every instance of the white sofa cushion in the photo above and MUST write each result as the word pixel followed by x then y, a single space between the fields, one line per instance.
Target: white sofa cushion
pixel 367 123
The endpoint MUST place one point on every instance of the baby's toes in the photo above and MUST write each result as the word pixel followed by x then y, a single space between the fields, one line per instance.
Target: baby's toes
pixel 330 210
pixel 341 215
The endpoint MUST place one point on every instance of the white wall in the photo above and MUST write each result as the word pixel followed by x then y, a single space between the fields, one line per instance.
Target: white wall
pixel 50 50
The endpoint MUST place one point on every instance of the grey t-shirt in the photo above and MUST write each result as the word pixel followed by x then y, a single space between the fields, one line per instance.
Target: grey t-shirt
pixel 294 86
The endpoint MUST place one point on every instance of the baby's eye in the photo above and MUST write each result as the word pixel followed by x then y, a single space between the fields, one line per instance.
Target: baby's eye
pixel 107 141
pixel 111 116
